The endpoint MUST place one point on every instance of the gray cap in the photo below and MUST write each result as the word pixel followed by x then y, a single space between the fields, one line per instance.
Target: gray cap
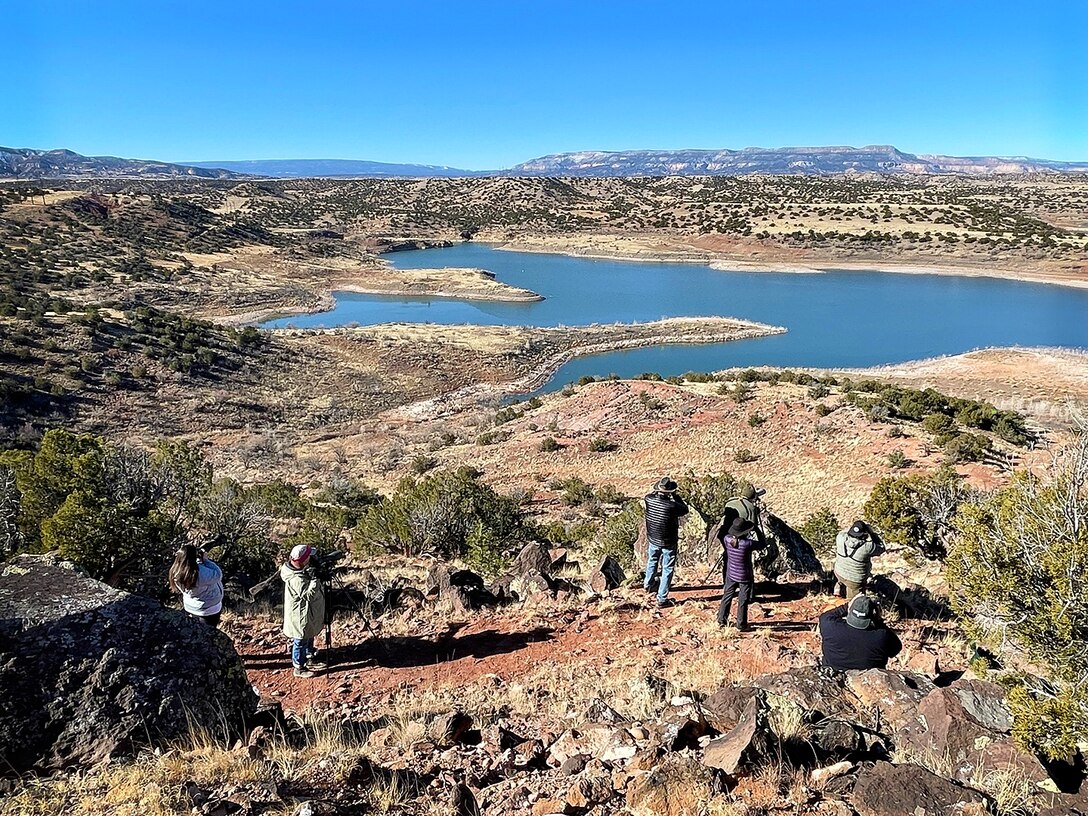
pixel 861 612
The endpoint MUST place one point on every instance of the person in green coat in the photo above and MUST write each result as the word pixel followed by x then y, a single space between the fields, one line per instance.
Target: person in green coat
pixel 303 609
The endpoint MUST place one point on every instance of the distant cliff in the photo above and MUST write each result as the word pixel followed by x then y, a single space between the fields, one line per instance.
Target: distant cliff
pixel 42 164
pixel 811 161
pixel 777 161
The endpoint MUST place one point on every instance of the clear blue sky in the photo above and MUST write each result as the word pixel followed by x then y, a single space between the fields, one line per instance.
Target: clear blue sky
pixel 483 85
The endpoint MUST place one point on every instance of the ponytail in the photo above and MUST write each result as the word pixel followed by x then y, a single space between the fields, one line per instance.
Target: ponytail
pixel 185 569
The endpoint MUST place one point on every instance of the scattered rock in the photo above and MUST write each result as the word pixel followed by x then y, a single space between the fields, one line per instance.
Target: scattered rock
pixel 451 728
pixel 589 791
pixel 741 745
pixel 608 576
pixel 818 691
pixel 821 776
pixel 909 790
pixel 606 742
pixel 598 711
pixel 678 787
pixel 724 708
pixel 534 557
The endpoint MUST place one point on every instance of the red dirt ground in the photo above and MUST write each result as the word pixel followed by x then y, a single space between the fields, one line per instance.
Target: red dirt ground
pixel 511 644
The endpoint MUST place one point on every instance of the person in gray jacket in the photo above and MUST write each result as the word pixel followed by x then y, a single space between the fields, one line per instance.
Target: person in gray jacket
pixel 854 552
pixel 200 582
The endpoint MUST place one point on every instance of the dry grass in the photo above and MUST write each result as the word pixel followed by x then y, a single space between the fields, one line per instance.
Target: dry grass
pixel 1012 790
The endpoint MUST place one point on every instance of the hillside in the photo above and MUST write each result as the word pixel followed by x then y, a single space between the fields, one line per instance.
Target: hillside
pixel 331 168
pixel 40 164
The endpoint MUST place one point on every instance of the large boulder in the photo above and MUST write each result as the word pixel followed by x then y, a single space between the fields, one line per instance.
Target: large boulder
pixel 787 551
pixel 608 576
pixel 818 691
pixel 910 790
pixel 88 672
pixel 886 701
pixel 969 724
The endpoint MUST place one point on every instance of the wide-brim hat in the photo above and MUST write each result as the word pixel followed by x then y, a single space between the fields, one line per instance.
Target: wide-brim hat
pixel 665 485
pixel 740 526
pixel 861 612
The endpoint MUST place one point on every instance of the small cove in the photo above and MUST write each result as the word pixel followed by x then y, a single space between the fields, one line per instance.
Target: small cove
pixel 834 319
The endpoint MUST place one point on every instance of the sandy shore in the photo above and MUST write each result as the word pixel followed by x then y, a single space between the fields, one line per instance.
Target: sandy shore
pixel 671 331
pixel 631 248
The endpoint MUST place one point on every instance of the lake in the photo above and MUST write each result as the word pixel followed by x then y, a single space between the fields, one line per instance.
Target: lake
pixel 835 319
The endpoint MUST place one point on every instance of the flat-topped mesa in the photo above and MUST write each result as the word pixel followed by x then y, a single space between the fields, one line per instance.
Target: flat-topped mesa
pixel 91 672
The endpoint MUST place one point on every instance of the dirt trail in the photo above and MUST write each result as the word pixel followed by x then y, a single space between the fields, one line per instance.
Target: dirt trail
pixel 504 645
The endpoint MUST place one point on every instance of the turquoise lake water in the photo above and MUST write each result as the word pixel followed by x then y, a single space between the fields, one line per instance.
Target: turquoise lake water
pixel 835 319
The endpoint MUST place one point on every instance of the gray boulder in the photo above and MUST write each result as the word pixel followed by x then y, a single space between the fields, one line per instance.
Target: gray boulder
pixel 88 672
pixel 787 551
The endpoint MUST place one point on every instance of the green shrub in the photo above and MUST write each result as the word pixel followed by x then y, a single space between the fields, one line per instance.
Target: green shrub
pixel 917 511
pixel 279 499
pixel 820 530
pixel 617 537
pixel 421 463
pixel 576 491
pixel 942 426
pixel 484 552
pixel 707 495
pixel 755 419
pixel 549 445
pixel 435 514
pixel 1019 566
pixel 608 494
pixel 967 447
pixel 898 460
pixel 818 391
pixel 743 456
pixel 601 445
pixel 823 410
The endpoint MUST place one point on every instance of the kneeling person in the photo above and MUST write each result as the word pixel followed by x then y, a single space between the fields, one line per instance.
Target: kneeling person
pixel 854 637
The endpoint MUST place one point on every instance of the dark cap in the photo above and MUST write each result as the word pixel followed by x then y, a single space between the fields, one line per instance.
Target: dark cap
pixel 859 529
pixel 665 485
pixel 740 526
pixel 861 612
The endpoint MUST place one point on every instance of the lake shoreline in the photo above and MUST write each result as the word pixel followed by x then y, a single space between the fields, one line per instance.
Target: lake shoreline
pixel 725 263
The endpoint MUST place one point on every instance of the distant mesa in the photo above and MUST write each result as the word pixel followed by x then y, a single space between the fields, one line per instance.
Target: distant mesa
pixel 805 161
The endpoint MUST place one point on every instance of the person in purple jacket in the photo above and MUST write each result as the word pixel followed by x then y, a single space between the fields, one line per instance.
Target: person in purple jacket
pixel 738 577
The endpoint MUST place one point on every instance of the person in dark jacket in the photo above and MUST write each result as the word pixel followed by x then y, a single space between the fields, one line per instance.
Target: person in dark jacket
pixel 854 636
pixel 663 510
pixel 738 576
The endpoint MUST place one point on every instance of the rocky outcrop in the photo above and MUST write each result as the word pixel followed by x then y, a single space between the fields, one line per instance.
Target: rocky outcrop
pixel 787 551
pixel 88 672
pixel 463 590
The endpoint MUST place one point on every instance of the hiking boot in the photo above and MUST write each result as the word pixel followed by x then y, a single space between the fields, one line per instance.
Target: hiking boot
pixel 665 604
pixel 303 671
pixel 314 664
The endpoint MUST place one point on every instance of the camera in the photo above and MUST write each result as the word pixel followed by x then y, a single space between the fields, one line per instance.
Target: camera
pixel 324 565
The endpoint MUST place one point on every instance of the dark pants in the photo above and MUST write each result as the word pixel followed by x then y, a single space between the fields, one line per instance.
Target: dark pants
pixel 211 620
pixel 742 591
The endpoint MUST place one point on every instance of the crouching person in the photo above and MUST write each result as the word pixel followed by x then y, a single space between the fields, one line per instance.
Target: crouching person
pixel 303 609
pixel 853 636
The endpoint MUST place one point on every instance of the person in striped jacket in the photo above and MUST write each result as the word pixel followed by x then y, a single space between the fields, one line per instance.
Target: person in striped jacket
pixel 663 510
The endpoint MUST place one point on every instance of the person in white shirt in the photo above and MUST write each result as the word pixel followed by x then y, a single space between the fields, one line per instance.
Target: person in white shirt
pixel 200 582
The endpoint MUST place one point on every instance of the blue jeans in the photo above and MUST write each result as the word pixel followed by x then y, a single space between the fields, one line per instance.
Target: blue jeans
pixel 302 649
pixel 667 557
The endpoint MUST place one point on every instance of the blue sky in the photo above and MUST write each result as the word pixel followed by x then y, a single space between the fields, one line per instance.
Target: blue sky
pixel 483 85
